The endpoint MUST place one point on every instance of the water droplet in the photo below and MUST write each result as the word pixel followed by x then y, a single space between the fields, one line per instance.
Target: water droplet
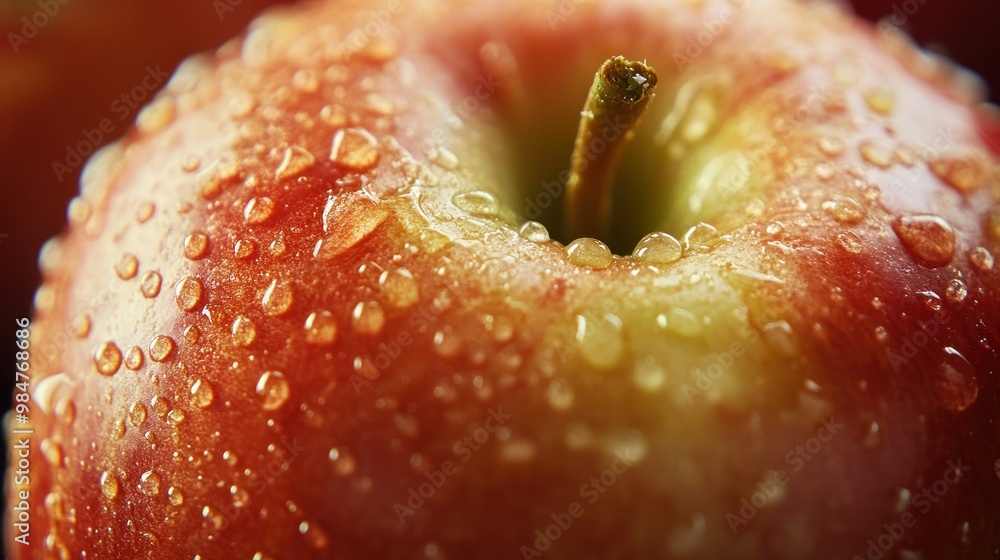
pixel 188 294
pixel 880 100
pixel 213 517
pixel 700 236
pixel 588 251
pixel 149 483
pixel 195 245
pixel 315 535
pixel 240 496
pixel 560 395
pixel 844 209
pixel 355 149
pixel 296 160
pixel 160 348
pixel 399 288
pixel 600 341
pixel 191 335
pixel 277 298
pixel 929 239
pixel 160 406
pixel 534 232
pixel 321 328
pixel 824 171
pixel 343 461
pixel 127 266
pixel 680 322
pixel 876 153
pixel 981 259
pixel 443 157
pixel 144 212
pixel 52 452
pixel 992 226
pixel 831 146
pixel 658 248
pixel 446 343
pixel 368 318
pixel 134 358
pixel 258 211
pixel 273 389
pixel 244 332
pixel 517 451
pixel 150 284
pixel 176 416
pixel 118 429
pixel 956 291
pixel 881 334
pixel 931 300
pixel 137 414
pixel 872 436
pixel 202 394
pixel 479 203
pixel 109 485
pixel 649 376
pixel 79 211
pixel 780 336
pixel 963 173
pixel 244 249
pixel 80 327
pixel 107 358
pixel 175 496
pixel 850 241
pixel 955 384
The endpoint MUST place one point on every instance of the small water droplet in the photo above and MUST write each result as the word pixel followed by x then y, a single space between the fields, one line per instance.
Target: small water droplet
pixel 213 517
pixel 160 406
pixel 195 246
pixel 244 332
pixel 443 157
pixel 191 335
pixel 188 294
pixel 134 358
pixel 881 334
pixel 273 389
pixel 590 252
pixel 277 298
pixel 560 395
pixel 963 173
pixel 176 416
pixel 931 300
pixel 343 461
pixel 929 239
pixel 680 322
pixel 446 342
pixel 175 496
pixel 880 100
pixel 831 146
pixel 956 291
pixel 118 429
pixel 824 171
pixel 127 267
pixel 258 211
pixel 876 153
pixel 368 318
pixel 321 328
pixel 240 496
pixel 700 236
pixel 244 249
pixel 137 414
pixel 479 203
pixel 872 436
pixel 150 284
pixel 600 340
pixel 149 483
pixel 107 358
pixel 296 160
pixel 202 394
pixel 955 383
pixel 109 485
pixel 52 452
pixel 355 149
pixel 649 376
pixel 844 209
pixel 850 241
pixel 658 248
pixel 144 212
pixel 534 232
pixel 315 535
pixel 981 259
pixel 399 288
pixel 80 327
pixel 160 348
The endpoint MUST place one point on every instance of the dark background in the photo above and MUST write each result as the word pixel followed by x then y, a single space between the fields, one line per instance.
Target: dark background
pixel 66 78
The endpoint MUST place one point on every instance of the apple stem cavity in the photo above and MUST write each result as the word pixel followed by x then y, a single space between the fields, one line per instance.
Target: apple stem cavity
pixel 617 99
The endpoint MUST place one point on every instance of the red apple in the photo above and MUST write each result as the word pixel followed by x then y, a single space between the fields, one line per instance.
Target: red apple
pixel 299 312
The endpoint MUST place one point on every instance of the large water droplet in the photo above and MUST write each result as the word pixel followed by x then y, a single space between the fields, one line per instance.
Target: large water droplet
pixel 480 203
pixel 195 246
pixel 277 298
pixel 107 358
pixel 368 318
pixel 161 347
pixel 258 211
pixel 929 239
pixel 355 149
pixel 844 209
pixel 273 390
pixel 321 328
pixel 296 160
pixel 534 232
pixel 590 252
pixel 188 294
pixel 244 332
pixel 658 248
pixel 150 284
pixel 700 236
pixel 399 288
pixel 955 383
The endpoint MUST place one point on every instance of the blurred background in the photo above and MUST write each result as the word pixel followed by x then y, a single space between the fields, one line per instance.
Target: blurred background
pixel 65 65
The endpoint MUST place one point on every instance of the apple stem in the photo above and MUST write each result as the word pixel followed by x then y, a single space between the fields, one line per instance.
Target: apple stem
pixel 616 100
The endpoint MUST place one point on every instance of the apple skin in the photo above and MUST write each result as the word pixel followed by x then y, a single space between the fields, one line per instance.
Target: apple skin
pixel 588 369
